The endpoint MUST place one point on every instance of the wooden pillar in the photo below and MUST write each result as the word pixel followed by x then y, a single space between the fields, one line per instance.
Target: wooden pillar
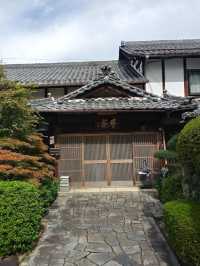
pixel 144 70
pixel 186 85
pixel 163 76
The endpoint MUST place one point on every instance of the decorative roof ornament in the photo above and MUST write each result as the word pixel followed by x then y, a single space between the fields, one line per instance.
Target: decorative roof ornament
pixel 107 73
pixel 106 70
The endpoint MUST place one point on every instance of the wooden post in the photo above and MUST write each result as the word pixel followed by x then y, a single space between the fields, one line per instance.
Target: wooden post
pixel 163 76
pixel 186 85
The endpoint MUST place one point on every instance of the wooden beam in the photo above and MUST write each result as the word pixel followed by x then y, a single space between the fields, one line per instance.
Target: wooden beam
pixel 163 75
pixel 186 82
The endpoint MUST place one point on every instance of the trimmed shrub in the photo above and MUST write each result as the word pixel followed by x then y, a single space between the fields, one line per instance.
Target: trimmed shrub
pixel 182 221
pixel 188 144
pixel 48 192
pixel 171 188
pixel 188 149
pixel 20 216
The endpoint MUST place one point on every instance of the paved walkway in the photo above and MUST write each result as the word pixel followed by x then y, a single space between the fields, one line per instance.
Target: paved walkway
pixel 111 229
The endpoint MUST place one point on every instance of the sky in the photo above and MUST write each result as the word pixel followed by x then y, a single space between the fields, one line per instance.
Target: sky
pixel 82 30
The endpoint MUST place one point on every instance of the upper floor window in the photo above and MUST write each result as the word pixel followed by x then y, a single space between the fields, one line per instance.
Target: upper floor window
pixel 194 82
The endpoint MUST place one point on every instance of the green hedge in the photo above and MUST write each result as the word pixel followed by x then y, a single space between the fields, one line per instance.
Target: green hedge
pixel 188 144
pixel 188 150
pixel 48 192
pixel 21 211
pixel 171 188
pixel 182 220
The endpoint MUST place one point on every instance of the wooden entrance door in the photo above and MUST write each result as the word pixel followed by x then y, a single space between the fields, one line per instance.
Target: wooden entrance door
pixel 112 159
pixel 121 159
pixel 95 160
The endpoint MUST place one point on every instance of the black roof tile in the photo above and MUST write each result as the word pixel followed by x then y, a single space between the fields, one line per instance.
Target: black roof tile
pixel 162 47
pixel 67 74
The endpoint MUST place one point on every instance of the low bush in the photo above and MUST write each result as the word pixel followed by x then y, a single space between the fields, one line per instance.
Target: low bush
pixel 171 188
pixel 21 211
pixel 182 221
pixel 48 192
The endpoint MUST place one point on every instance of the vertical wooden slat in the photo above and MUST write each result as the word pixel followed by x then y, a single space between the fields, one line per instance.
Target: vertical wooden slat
pixel 134 167
pixel 109 175
pixel 82 162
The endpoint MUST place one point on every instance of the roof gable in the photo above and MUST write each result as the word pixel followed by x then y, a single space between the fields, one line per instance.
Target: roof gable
pixel 106 85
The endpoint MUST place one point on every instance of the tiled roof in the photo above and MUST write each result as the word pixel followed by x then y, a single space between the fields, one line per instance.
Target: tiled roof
pixel 68 74
pixel 194 113
pixel 100 104
pixel 162 48
pixel 137 98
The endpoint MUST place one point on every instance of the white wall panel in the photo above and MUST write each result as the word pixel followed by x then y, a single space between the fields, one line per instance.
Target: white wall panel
pixel 174 76
pixel 154 75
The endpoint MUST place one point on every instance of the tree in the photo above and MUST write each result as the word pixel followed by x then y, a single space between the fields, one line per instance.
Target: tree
pixel 17 118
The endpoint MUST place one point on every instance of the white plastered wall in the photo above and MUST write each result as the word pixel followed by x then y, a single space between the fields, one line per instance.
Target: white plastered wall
pixel 153 71
pixel 174 76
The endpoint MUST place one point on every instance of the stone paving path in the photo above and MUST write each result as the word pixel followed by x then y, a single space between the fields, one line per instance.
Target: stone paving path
pixel 108 229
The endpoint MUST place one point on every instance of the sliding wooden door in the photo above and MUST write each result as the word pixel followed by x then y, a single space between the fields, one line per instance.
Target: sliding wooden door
pixel 112 159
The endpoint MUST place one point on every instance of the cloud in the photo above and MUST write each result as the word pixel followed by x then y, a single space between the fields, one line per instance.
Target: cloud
pixel 48 30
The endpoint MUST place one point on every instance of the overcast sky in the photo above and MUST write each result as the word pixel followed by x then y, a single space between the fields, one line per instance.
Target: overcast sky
pixel 71 30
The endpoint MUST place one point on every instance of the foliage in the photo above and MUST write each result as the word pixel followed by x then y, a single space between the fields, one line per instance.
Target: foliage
pixel 171 144
pixel 169 153
pixel 17 164
pixel 188 149
pixel 188 145
pixel 165 155
pixel 48 191
pixel 17 118
pixel 20 216
pixel 2 75
pixel 182 220
pixel 17 145
pixel 171 188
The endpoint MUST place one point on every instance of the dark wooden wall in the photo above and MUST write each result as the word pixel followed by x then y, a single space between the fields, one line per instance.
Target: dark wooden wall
pixel 59 123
